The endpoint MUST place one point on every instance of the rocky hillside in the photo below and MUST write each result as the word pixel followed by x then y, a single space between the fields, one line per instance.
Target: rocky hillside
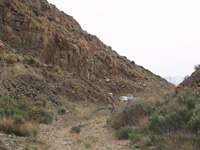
pixel 81 66
pixel 191 83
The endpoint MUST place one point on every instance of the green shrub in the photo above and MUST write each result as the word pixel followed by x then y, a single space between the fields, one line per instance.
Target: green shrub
pixel 35 133
pixel 18 119
pixel 7 111
pixel 195 123
pixel 180 99
pixel 61 111
pixel 185 114
pixel 75 129
pixel 36 12
pixel 124 132
pixel 191 102
pixel 50 18
pixel 156 123
pixel 149 109
pixel 197 67
pixel 7 126
pixel 45 117
pixel 39 103
pixel 134 138
pixel 129 116
pixel 172 121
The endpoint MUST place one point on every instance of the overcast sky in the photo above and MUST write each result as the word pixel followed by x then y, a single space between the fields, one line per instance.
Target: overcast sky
pixel 161 35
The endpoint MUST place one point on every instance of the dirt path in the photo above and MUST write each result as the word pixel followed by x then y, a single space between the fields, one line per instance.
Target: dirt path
pixel 94 135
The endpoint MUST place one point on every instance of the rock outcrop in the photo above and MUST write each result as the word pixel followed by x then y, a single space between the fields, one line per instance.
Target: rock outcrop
pixel 38 29
pixel 191 82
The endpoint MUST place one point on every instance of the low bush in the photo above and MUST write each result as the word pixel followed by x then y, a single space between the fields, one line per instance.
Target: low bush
pixel 31 61
pixel 39 103
pixel 61 111
pixel 156 123
pixel 50 18
pixel 129 116
pixel 180 99
pixel 185 114
pixel 36 12
pixel 7 126
pixel 124 132
pixel 191 102
pixel 195 123
pixel 11 59
pixel 18 119
pixel 75 129
pixel 134 138
pixel 172 121
pixel 45 116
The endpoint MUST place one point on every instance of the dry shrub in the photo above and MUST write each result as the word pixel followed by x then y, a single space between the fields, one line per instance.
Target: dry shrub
pixel 11 59
pixel 77 139
pixel 143 122
pixel 2 145
pixel 181 141
pixel 129 116
pixel 85 113
pixel 7 126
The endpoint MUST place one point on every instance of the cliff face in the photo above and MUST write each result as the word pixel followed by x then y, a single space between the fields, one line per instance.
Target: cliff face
pixel 38 29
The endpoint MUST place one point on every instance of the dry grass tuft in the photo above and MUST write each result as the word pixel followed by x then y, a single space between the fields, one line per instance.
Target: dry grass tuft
pixel 85 113
pixel 7 126
pixel 2 145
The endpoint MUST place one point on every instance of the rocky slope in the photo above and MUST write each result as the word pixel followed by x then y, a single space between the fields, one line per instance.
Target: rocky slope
pixel 191 83
pixel 38 29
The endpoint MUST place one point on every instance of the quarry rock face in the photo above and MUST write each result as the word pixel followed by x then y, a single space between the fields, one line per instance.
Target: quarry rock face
pixel 38 29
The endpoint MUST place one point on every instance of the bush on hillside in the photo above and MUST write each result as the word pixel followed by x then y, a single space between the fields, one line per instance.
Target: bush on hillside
pixel 129 116
pixel 195 123
pixel 156 123
pixel 39 103
pixel 36 12
pixel 61 111
pixel 191 102
pixel 75 129
pixel 134 138
pixel 18 119
pixel 50 18
pixel 185 114
pixel 172 121
pixel 124 132
pixel 45 116
pixel 197 67
pixel 181 99
pixel 7 126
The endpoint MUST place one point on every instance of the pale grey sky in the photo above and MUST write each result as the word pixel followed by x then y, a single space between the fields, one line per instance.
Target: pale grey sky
pixel 161 35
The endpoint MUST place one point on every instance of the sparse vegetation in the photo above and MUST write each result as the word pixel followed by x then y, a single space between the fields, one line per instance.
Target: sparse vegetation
pixel 175 122
pixel 197 67
pixel 45 116
pixel 36 12
pixel 191 102
pixel 51 18
pixel 75 129
pixel 61 111
pixel 124 132
pixel 39 103
pixel 129 116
